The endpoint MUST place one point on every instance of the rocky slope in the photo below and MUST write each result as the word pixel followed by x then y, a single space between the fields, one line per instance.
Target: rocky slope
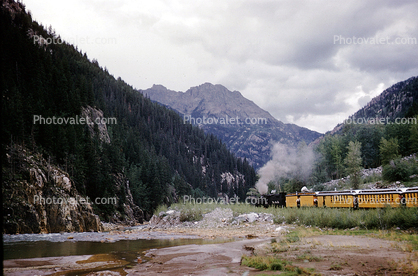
pixel 392 103
pixel 246 129
pixel 39 197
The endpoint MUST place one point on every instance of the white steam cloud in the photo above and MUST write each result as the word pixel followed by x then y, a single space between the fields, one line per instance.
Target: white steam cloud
pixel 286 162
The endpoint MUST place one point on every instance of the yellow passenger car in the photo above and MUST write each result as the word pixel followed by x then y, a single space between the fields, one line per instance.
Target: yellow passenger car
pixel 337 199
pixel 410 197
pixel 372 198
pixel 379 198
pixel 301 200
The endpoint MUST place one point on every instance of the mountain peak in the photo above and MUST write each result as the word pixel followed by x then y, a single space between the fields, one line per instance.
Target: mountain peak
pixel 159 87
pixel 247 140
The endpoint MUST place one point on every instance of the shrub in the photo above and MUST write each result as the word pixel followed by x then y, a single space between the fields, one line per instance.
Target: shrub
pixel 276 265
pixel 257 262
pixel 397 170
pixel 264 262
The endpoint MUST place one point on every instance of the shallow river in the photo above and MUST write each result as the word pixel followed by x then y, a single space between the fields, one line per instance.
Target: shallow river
pixel 127 245
pixel 39 249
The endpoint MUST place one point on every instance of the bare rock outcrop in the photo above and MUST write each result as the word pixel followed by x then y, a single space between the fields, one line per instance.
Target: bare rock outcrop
pixel 95 118
pixel 40 198
pixel 132 214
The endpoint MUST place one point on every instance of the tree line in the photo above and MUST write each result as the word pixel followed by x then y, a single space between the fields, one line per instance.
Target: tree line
pixel 360 147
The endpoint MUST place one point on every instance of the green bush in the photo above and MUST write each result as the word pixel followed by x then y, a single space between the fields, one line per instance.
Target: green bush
pixel 264 262
pixel 397 170
pixel 257 262
pixel 276 265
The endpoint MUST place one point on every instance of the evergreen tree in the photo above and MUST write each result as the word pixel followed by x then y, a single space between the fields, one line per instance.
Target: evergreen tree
pixel 413 137
pixel 336 155
pixel 353 163
pixel 389 150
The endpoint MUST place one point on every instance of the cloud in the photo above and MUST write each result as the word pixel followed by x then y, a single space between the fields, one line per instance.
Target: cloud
pixel 280 54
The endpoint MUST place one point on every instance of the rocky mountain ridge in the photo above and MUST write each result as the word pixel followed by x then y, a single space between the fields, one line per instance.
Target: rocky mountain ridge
pixel 246 129
pixel 394 102
pixel 208 100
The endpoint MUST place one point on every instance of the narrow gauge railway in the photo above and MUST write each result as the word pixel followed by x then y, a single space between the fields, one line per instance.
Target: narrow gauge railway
pixel 356 199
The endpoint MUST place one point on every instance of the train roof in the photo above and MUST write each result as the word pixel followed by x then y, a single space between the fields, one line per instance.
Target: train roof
pixel 302 194
pixel 358 192
pixel 380 191
pixel 411 190
pixel 344 192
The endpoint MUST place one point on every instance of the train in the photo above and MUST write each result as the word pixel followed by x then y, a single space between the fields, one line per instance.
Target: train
pixel 355 199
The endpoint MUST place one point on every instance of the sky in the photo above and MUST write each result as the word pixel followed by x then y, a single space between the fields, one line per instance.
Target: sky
pixel 311 63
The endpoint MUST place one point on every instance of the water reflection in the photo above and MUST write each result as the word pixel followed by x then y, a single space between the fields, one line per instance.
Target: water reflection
pixel 38 249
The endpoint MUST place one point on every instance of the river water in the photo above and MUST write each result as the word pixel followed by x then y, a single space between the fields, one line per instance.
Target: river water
pixel 39 249
pixel 24 246
pixel 127 245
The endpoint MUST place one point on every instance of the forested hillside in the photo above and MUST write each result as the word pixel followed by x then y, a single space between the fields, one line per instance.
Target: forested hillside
pixel 382 134
pixel 159 156
pixel 385 130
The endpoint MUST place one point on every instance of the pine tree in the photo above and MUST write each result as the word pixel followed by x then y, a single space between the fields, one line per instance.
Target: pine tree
pixel 336 155
pixel 389 150
pixel 413 138
pixel 353 163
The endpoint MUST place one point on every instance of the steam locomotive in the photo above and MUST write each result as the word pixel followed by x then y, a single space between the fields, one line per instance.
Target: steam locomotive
pixel 369 198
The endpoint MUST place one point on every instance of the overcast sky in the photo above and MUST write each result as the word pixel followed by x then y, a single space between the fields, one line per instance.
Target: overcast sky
pixel 312 63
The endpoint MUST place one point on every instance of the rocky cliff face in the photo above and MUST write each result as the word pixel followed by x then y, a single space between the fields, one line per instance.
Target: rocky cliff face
pixel 95 116
pixel 39 197
pixel 246 129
